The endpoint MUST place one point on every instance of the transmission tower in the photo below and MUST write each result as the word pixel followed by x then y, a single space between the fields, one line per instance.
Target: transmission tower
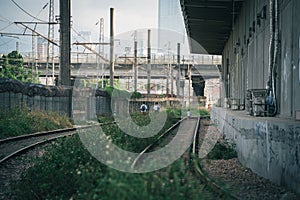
pixel 101 49
pixel 33 65
pixel 50 46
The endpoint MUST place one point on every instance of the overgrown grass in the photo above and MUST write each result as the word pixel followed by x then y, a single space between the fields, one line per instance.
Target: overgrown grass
pixel 131 143
pixel 222 150
pixel 122 93
pixel 22 121
pixel 68 171
pixel 194 112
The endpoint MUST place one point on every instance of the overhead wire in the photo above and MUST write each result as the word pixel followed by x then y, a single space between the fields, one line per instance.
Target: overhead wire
pixel 6 42
pixel 78 34
pixel 28 12
pixel 4 19
pixel 11 23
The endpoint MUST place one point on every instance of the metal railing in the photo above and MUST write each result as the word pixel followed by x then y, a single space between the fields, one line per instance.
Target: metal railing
pixel 121 59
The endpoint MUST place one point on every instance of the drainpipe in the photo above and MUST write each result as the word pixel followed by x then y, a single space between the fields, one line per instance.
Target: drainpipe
pixel 273 54
pixel 271 44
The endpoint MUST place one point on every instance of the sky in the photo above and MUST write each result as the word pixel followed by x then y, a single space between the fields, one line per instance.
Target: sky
pixel 129 15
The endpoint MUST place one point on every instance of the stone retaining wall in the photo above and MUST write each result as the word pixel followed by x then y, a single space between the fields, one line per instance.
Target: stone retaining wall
pixel 269 146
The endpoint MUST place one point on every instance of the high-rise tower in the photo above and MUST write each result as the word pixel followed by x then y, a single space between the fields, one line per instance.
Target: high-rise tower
pixel 170 24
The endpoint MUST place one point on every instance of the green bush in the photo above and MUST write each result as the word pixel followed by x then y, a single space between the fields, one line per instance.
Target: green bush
pixel 204 112
pixel 22 121
pixel 68 171
pixel 131 143
pixel 122 93
pixel 222 151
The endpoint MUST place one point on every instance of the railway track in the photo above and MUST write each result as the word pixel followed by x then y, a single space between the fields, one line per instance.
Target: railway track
pixel 10 147
pixel 30 144
pixel 16 153
pixel 191 154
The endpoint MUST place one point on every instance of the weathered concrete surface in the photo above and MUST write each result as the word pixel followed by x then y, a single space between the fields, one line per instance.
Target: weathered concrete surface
pixel 268 146
pixel 246 63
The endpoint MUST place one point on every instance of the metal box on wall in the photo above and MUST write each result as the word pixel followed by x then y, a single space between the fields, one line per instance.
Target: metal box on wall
pixel 256 102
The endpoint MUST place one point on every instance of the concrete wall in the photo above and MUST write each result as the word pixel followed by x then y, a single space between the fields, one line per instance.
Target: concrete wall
pixel 246 55
pixel 270 147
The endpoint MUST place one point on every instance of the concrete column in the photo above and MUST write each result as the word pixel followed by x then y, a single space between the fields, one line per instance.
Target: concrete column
pixel 112 67
pixel 65 43
pixel 135 62
pixel 149 63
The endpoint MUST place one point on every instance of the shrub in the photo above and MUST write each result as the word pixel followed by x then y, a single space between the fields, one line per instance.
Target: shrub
pixel 22 121
pixel 68 171
pixel 222 150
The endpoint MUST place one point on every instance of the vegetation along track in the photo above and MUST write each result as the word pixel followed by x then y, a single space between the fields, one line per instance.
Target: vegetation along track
pixel 16 153
pixel 13 146
pixel 191 154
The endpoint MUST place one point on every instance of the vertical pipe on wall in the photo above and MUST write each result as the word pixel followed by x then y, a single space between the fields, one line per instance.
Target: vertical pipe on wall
pixel 275 57
pixel 273 53
pixel 271 44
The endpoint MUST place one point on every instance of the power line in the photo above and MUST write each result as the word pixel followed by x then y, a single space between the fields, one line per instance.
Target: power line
pixel 78 34
pixel 28 12
pixel 5 19
pixel 6 42
pixel 6 26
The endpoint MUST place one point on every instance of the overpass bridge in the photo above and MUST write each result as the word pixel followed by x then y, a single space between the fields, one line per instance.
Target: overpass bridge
pixel 205 66
pixel 164 70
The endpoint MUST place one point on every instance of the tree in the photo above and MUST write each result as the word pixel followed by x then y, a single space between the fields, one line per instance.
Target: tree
pixel 11 67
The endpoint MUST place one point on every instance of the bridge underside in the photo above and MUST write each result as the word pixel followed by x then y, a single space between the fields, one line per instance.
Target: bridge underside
pixel 209 23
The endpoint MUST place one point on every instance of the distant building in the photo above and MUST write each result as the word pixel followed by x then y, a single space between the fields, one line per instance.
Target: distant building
pixel 170 25
pixel 41 48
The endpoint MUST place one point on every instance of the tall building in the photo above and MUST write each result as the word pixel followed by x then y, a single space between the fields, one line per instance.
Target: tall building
pixel 41 48
pixel 171 29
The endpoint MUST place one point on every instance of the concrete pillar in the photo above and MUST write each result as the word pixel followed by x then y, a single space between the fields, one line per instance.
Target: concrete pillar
pixel 112 67
pixel 65 43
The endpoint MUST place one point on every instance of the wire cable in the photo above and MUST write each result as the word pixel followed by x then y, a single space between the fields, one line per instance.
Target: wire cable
pixel 28 12
pixel 5 43
pixel 78 34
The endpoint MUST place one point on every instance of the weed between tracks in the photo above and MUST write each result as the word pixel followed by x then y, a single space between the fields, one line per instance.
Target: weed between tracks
pixel 68 171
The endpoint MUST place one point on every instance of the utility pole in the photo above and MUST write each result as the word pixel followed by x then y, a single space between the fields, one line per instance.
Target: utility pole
pixel 179 70
pixel 33 54
pixel 52 38
pixel 17 47
pixel 149 63
pixel 111 72
pixel 168 69
pixel 135 61
pixel 189 93
pixel 65 42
